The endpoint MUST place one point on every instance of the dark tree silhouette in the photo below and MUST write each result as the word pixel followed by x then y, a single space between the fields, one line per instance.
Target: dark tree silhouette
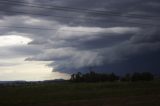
pixel 101 77
pixel 145 76
pixel 127 77
pixel 93 77
pixel 73 77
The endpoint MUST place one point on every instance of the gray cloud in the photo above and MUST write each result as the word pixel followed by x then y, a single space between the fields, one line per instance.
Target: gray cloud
pixel 18 51
pixel 80 42
pixel 7 64
pixel 79 55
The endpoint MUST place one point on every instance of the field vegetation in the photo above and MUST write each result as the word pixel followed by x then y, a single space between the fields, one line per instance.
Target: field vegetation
pixel 141 93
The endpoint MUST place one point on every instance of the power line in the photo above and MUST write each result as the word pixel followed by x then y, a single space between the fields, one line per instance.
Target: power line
pixel 46 15
pixel 80 10
pixel 145 24
pixel 86 18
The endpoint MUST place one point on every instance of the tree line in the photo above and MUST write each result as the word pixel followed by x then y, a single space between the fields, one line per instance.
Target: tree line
pixel 103 77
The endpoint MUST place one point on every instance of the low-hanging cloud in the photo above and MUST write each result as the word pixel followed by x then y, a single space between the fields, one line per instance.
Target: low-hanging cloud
pixel 72 44
pixel 74 54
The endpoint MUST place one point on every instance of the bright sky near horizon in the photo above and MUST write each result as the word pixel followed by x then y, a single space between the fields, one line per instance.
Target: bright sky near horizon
pixel 18 69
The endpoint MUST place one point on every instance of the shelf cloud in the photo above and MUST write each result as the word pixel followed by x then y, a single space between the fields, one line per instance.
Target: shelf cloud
pixel 124 39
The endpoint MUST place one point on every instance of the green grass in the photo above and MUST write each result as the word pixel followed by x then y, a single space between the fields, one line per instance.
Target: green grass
pixel 83 94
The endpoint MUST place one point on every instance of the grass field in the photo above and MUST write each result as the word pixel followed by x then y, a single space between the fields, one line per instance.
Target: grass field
pixel 82 94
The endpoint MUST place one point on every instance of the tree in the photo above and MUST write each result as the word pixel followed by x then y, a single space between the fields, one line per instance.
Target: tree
pixel 78 77
pixel 146 76
pixel 136 77
pixel 113 77
pixel 127 77
pixel 101 77
pixel 72 77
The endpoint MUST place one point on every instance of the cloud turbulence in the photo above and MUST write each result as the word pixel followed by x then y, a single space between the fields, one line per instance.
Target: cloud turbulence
pixel 108 43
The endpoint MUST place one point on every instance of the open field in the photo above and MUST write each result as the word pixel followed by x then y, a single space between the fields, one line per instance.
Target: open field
pixel 82 94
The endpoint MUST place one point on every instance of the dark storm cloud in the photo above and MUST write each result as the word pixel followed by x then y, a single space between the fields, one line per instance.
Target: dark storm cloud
pixel 106 42
pixel 123 7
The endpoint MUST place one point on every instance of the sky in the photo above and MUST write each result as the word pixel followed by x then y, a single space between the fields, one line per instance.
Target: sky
pixel 51 39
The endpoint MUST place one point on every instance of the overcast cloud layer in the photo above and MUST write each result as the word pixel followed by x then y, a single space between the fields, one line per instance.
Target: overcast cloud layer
pixel 107 43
